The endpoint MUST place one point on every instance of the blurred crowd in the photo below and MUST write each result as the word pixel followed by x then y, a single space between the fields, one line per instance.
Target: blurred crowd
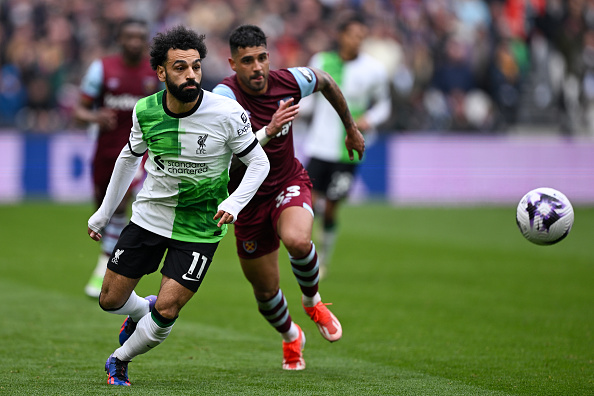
pixel 454 65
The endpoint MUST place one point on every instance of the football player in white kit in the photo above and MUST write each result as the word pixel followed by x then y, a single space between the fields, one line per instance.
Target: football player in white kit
pixel 184 207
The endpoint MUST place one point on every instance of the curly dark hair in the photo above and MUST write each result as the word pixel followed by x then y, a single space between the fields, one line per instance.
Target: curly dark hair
pixel 246 36
pixel 178 37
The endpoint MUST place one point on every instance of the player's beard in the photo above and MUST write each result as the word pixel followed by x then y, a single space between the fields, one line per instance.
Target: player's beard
pixel 179 93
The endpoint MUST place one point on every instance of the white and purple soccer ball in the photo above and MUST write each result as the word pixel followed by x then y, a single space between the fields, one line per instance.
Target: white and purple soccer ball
pixel 544 216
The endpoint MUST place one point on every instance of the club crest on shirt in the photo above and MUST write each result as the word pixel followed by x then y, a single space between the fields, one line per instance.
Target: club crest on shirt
pixel 250 246
pixel 201 144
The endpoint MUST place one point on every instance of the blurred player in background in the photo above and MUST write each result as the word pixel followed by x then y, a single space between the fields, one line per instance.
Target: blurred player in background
pixel 183 209
pixel 281 209
pixel 109 90
pixel 365 86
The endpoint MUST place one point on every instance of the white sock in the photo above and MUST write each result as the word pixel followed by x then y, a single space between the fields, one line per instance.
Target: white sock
pixel 328 243
pixel 136 307
pixel 292 334
pixel 311 301
pixel 147 335
pixel 101 265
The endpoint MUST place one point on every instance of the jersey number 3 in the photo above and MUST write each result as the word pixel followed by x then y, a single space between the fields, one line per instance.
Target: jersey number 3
pixel 285 196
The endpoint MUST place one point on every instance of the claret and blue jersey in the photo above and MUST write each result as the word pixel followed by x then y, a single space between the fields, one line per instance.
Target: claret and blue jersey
pixel 295 83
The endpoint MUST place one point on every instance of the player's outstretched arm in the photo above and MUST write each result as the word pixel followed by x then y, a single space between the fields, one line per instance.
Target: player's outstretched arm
pixel 354 140
pixel 121 178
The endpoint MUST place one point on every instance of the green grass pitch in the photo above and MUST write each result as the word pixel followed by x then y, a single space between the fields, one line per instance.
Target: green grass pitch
pixel 433 301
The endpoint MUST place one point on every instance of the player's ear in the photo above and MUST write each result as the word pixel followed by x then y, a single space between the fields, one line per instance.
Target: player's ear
pixel 232 64
pixel 161 73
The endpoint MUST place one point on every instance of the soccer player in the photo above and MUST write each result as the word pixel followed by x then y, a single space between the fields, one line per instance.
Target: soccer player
pixel 281 209
pixel 109 90
pixel 184 207
pixel 365 86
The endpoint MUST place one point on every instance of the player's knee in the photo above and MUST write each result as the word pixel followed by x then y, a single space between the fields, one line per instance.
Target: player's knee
pixel 265 294
pixel 167 311
pixel 107 302
pixel 298 247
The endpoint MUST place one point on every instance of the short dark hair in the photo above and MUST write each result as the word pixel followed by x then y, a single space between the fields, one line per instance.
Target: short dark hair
pixel 347 19
pixel 246 36
pixel 130 21
pixel 178 37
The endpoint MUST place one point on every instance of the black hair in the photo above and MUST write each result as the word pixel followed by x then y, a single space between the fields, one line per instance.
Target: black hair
pixel 178 37
pixel 131 21
pixel 246 36
pixel 347 19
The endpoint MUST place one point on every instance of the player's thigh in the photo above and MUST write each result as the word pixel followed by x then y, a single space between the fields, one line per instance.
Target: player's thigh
pixel 295 224
pixel 187 262
pixel 263 274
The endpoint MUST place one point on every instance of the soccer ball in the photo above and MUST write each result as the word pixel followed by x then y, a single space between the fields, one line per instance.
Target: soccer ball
pixel 544 216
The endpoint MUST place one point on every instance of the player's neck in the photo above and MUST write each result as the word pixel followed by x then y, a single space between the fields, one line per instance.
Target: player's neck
pixel 348 55
pixel 176 106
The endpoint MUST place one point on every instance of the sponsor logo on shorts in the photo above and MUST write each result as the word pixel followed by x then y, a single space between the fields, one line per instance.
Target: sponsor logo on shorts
pixel 116 256
pixel 250 246
pixel 186 277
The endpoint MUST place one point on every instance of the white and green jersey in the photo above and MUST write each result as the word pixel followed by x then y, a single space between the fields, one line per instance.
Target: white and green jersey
pixel 364 84
pixel 187 166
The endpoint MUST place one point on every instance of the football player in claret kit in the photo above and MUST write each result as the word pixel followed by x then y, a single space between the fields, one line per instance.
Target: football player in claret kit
pixel 109 90
pixel 183 208
pixel 281 209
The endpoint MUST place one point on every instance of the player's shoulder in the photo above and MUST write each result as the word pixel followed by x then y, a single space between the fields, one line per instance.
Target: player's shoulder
pixel 152 103
pixel 216 99
pixel 370 61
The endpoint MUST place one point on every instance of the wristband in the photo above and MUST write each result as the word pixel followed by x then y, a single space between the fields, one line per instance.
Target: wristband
pixel 262 137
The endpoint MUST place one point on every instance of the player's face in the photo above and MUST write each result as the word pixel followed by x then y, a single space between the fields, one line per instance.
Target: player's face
pixel 133 40
pixel 182 74
pixel 252 65
pixel 351 38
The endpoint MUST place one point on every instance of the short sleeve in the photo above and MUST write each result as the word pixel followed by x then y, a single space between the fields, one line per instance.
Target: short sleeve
pixel 92 81
pixel 306 79
pixel 224 90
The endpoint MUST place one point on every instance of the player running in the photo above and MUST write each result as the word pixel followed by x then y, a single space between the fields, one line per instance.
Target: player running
pixel 281 209
pixel 109 90
pixel 183 208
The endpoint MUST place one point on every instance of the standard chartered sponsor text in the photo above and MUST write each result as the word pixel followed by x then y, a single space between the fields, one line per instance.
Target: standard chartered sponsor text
pixel 186 168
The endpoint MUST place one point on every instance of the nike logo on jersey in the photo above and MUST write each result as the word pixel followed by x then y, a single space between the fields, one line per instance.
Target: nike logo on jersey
pixel 155 140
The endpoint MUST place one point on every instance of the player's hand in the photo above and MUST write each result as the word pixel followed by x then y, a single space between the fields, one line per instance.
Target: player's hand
pixel 363 124
pixel 106 118
pixel 285 113
pixel 225 217
pixel 94 235
pixel 354 141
